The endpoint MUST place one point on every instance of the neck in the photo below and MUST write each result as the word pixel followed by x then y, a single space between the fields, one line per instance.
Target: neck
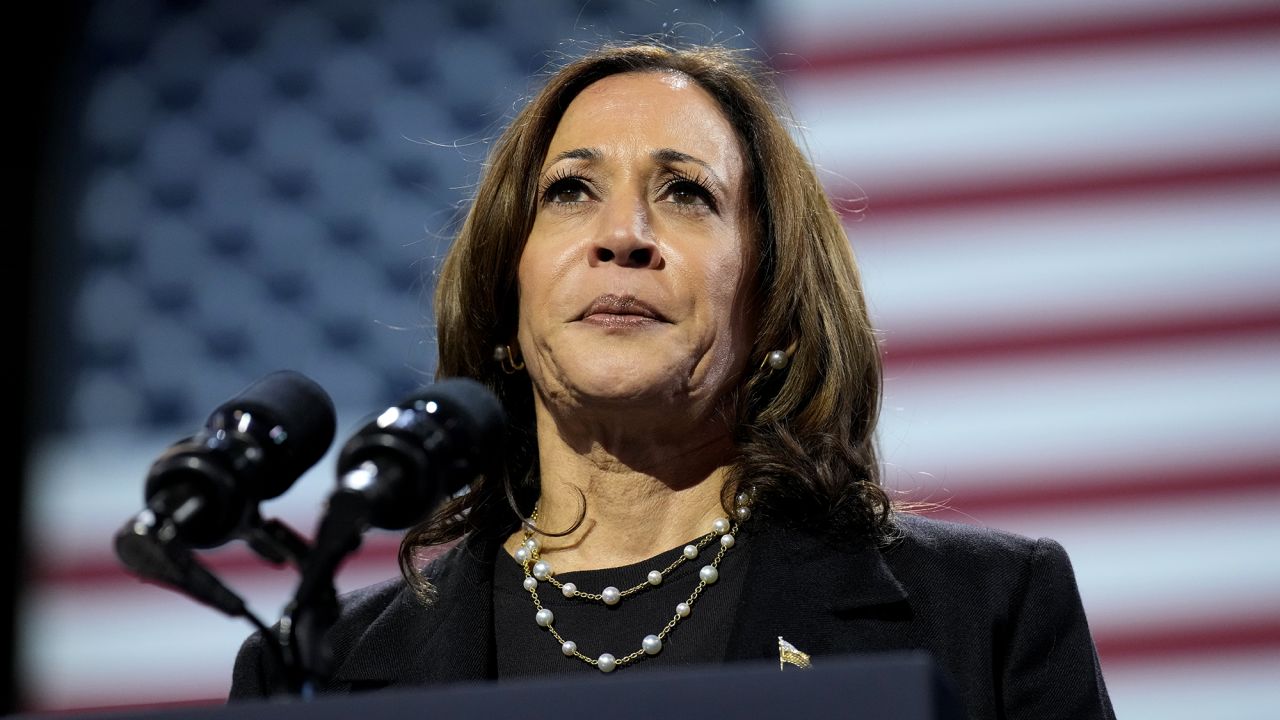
pixel 644 493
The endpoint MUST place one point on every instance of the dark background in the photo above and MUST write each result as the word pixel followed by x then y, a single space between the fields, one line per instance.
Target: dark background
pixel 52 30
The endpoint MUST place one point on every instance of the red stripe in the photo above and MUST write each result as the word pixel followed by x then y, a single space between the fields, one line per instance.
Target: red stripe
pixel 906 351
pixel 379 551
pixel 1143 646
pixel 126 709
pixel 1083 38
pixel 1023 495
pixel 858 204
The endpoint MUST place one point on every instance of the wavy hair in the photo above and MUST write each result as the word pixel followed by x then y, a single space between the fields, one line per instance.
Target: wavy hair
pixel 804 435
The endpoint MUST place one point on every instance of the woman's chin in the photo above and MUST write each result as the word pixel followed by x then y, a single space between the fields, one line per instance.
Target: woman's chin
pixel 605 363
pixel 604 384
pixel 614 391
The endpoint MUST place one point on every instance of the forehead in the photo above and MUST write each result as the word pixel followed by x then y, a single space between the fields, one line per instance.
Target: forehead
pixel 638 112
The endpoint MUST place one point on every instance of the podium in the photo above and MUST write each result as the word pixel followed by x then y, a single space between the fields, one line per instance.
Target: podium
pixel 888 686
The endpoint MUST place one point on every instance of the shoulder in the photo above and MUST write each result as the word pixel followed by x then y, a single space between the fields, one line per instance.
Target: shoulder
pixel 366 603
pixel 362 607
pixel 927 553
pixel 943 540
pixel 996 604
pixel 389 603
pixel 926 534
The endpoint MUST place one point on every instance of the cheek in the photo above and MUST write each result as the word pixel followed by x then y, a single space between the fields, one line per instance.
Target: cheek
pixel 731 279
pixel 531 290
pixel 532 275
pixel 720 284
pixel 545 261
pixel 540 287
pixel 727 279
pixel 524 290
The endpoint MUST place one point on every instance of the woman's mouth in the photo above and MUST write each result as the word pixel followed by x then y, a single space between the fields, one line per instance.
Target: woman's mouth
pixel 621 311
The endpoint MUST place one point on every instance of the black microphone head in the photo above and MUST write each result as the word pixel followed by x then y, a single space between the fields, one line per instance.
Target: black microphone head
pixel 253 447
pixel 301 424
pixel 474 421
pixel 429 446
pixel 477 414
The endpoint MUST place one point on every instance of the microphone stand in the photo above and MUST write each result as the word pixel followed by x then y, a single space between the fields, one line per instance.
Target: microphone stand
pixel 304 627
pixel 275 541
pixel 149 545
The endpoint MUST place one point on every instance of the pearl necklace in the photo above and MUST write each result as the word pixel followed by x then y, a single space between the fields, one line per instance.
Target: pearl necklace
pixel 537 570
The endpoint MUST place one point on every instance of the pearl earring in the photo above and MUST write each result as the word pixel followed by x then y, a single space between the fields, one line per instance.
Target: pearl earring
pixel 778 359
pixel 508 359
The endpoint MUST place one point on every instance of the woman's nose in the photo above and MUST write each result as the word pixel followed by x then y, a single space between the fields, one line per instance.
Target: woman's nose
pixel 625 238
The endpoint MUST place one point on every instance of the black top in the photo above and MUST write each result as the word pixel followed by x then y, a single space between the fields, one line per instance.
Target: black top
pixel 524 649
pixel 999 613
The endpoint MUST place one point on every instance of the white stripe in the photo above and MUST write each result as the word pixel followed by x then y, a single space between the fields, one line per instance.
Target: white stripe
pixel 800 26
pixel 984 270
pixel 1238 686
pixel 1132 412
pixel 1058 114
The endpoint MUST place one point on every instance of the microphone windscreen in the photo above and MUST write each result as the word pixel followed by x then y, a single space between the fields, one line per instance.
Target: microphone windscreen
pixel 477 414
pixel 427 447
pixel 305 416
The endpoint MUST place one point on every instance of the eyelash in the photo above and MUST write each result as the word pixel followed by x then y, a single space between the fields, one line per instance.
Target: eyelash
pixel 559 180
pixel 565 179
pixel 701 187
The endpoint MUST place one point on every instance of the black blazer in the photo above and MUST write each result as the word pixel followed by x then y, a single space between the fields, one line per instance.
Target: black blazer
pixel 1000 613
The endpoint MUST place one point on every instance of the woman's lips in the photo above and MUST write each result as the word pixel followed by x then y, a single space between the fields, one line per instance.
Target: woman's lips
pixel 611 320
pixel 621 311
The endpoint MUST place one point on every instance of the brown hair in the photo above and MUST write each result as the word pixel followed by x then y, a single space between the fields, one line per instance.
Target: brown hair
pixel 804 435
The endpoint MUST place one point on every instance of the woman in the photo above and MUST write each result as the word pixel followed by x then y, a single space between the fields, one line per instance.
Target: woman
pixel 654 284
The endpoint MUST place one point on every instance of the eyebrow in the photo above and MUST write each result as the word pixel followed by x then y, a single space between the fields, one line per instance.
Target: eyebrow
pixel 667 156
pixel 663 156
pixel 576 154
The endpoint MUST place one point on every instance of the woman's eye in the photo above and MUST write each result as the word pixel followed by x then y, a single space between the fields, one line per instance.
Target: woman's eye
pixel 568 190
pixel 686 192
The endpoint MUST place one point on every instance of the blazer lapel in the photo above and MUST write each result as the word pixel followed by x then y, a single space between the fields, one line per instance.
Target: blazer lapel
pixel 821 598
pixel 450 640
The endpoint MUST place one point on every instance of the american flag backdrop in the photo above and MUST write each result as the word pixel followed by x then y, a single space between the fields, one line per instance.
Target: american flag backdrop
pixel 1067 217
pixel 1071 241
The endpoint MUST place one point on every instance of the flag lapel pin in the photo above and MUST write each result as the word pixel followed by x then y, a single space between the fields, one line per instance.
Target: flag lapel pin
pixel 789 654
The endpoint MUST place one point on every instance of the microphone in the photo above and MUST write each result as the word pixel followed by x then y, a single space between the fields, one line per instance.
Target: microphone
pixel 204 490
pixel 412 456
pixel 391 473
pixel 253 447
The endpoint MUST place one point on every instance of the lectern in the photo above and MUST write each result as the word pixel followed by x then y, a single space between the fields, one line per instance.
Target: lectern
pixel 889 686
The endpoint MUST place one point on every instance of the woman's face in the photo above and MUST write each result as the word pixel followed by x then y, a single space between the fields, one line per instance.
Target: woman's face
pixel 633 280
